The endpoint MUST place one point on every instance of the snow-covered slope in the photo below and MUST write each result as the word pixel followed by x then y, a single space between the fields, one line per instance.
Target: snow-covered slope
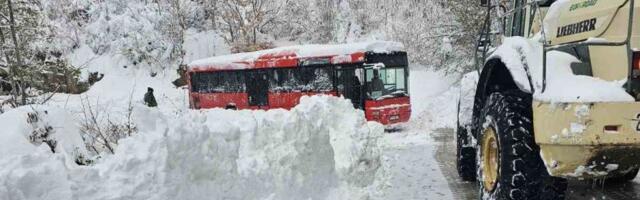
pixel 434 97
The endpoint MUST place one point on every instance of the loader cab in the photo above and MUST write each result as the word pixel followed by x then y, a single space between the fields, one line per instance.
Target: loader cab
pixel 508 18
pixel 520 19
pixel 603 38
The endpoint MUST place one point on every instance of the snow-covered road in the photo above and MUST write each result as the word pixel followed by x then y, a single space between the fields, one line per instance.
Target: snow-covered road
pixel 415 173
pixel 409 156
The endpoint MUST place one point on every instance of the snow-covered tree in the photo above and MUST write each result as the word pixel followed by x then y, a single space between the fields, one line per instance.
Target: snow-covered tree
pixel 244 22
pixel 129 28
pixel 151 33
pixel 31 49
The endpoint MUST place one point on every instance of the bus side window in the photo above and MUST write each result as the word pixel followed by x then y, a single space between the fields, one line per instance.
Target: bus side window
pixel 218 82
pixel 280 80
pixel 234 81
pixel 306 75
pixel 301 80
pixel 322 81
pixel 195 84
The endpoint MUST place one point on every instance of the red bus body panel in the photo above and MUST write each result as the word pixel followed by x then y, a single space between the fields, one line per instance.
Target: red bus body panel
pixel 221 100
pixel 289 100
pixel 388 111
pixel 241 100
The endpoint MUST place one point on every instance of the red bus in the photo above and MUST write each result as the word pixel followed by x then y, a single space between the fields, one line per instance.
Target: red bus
pixel 374 76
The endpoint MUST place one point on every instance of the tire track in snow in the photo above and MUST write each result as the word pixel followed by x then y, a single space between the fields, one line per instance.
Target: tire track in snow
pixel 414 171
pixel 445 155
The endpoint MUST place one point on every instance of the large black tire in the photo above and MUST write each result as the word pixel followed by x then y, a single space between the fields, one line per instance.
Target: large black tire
pixel 465 156
pixel 624 178
pixel 521 173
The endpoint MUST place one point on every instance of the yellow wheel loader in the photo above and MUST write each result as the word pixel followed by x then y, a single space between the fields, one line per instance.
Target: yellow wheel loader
pixel 556 96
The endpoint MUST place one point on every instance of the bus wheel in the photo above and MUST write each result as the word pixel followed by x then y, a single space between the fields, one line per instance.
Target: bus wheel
pixel 509 162
pixel 465 156
pixel 231 107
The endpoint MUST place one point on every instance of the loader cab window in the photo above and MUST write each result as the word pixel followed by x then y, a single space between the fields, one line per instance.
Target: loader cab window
pixel 515 21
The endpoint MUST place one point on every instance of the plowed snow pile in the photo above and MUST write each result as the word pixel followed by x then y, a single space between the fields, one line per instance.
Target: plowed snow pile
pixel 322 149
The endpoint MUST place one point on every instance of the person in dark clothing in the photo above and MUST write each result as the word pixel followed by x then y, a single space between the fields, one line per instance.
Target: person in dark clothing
pixel 355 91
pixel 352 86
pixel 376 83
pixel 149 99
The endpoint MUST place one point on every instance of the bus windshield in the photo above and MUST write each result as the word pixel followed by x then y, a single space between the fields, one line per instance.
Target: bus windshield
pixel 386 83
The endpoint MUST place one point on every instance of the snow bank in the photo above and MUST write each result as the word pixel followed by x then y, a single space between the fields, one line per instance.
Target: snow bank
pixel 17 127
pixel 235 61
pixel 562 85
pixel 426 85
pixel 433 99
pixel 321 146
pixel 29 170
pixel 467 91
pixel 39 175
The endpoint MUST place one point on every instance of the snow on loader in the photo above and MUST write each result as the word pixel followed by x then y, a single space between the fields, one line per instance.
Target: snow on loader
pixel 556 97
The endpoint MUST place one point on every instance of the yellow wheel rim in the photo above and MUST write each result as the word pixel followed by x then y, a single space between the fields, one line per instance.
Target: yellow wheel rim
pixel 489 159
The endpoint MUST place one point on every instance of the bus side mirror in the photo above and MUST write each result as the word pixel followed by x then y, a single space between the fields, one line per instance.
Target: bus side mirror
pixel 484 3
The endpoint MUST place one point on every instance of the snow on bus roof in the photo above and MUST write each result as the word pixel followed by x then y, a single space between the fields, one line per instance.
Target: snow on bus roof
pixel 245 60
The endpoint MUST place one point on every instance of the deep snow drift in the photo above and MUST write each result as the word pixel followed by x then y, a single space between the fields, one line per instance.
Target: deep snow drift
pixel 18 126
pixel 322 149
pixel 30 170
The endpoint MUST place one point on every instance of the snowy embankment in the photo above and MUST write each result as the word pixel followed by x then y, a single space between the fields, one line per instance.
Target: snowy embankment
pixel 434 96
pixel 322 149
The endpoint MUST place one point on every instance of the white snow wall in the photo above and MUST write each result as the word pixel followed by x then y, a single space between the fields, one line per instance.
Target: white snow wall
pixel 312 151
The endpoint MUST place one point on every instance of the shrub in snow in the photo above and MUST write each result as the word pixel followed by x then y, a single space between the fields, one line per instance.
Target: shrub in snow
pixel 100 130
pixel 42 133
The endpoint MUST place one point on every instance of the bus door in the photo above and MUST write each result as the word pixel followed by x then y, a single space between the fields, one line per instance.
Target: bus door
pixel 258 88
pixel 349 85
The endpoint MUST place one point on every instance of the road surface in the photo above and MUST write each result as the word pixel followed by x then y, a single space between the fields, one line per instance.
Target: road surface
pixel 578 190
